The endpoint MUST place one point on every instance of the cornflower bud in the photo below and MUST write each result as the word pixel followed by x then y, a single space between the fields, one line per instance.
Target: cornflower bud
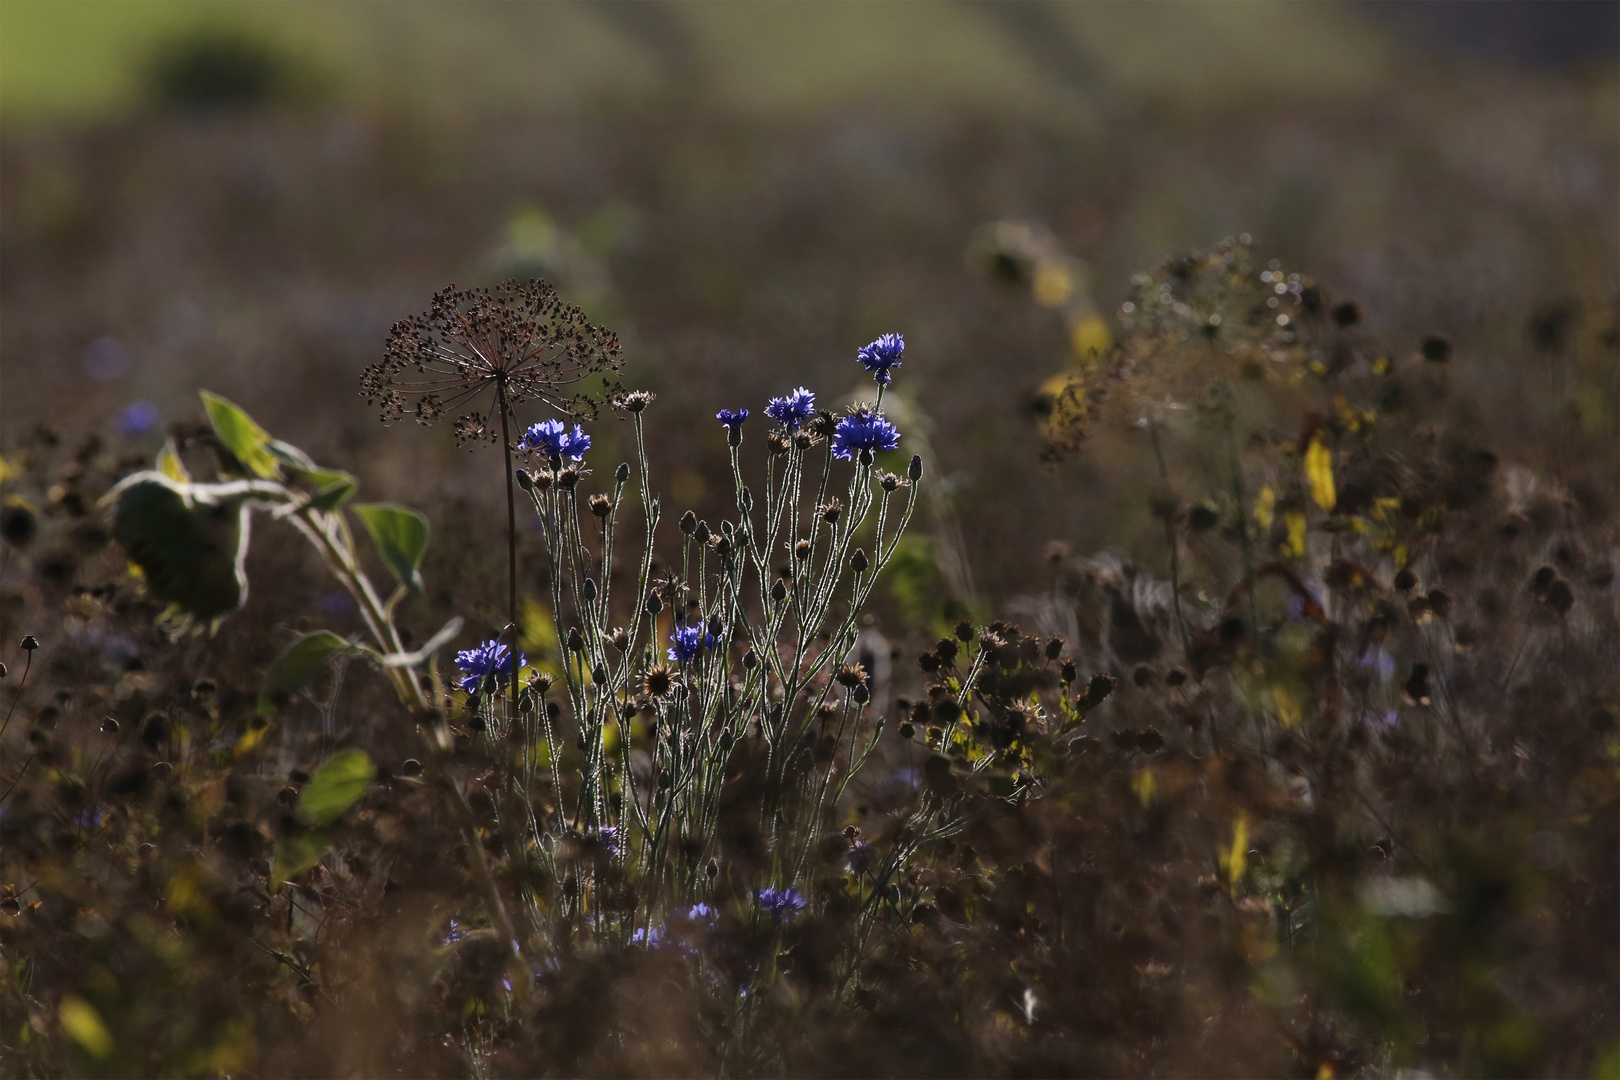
pixel 576 643
pixel 525 481
pixel 588 590
pixel 1054 648
pixel 745 499
pixel 778 591
pixel 701 534
pixel 688 522
pixel 858 561
pixel 599 675
pixel 750 659
pixel 861 694
pixel 655 604
pixel 914 470
pixel 622 473
pixel 30 643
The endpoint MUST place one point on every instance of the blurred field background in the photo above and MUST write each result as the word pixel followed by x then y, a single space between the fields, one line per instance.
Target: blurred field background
pixel 245 197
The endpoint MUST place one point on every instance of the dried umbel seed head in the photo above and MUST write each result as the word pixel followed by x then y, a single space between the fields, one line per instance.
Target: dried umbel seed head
pixel 634 401
pixel 688 522
pixel 517 342
pixel 858 561
pixel 657 681
pixel 801 550
pixel 568 479
pixel 778 443
pixel 830 511
pixel 851 675
pixel 601 505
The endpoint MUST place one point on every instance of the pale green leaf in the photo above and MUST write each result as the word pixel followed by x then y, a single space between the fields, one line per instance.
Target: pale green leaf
pixel 401 536
pixel 247 441
pixel 297 667
pixel 336 784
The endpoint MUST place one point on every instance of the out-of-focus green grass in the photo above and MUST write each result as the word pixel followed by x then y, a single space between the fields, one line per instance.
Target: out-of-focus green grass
pixel 85 61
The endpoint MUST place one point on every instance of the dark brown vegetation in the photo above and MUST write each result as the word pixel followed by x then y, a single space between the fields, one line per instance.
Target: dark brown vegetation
pixel 1335 792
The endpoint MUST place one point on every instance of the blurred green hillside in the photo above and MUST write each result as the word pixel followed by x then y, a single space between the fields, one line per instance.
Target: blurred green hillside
pixel 86 61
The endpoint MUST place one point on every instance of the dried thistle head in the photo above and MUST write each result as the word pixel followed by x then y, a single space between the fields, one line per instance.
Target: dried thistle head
pixel 518 339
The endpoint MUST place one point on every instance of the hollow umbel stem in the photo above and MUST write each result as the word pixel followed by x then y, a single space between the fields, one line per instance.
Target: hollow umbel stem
pixel 511 548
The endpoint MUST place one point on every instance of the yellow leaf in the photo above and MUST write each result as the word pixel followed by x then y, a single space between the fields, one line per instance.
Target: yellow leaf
pixel 83 1025
pixel 1053 284
pixel 1236 860
pixel 1090 338
pixel 1265 508
pixel 7 470
pixel 251 738
pixel 1144 786
pixel 1296 532
pixel 1319 469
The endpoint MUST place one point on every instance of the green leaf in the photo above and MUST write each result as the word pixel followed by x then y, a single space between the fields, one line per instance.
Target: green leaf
pixel 297 853
pixel 247 441
pixel 401 536
pixel 189 544
pixel 331 487
pixel 297 667
pixel 170 465
pixel 337 784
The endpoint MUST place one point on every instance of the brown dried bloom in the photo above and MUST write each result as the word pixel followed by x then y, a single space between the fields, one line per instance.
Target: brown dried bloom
pixel 518 339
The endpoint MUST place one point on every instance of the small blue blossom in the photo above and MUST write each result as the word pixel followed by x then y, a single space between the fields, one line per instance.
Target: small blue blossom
pixel 489 659
pixel 138 418
pixel 860 857
pixel 552 438
pixel 732 420
pixel 863 431
pixel 793 410
pixel 881 355
pixel 781 904
pixel 647 936
pixel 702 913
pixel 612 838
pixel 687 642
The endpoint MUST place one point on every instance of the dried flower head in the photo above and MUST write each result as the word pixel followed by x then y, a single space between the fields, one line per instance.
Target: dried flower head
pixel 518 339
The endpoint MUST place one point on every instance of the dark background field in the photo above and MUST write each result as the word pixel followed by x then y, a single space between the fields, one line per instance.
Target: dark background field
pixel 747 193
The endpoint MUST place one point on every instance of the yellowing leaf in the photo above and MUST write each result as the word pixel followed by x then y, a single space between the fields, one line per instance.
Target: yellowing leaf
pixel 1287 707
pixel 83 1025
pixel 1265 508
pixel 238 433
pixel 1319 470
pixel 1296 532
pixel 170 465
pixel 7 470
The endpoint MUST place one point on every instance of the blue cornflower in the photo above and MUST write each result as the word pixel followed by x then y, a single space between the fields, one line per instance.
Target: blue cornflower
pixel 860 857
pixel 732 420
pixel 687 642
pixel 702 913
pixel 647 936
pixel 489 659
pixel 793 410
pixel 552 438
pixel 863 431
pixel 781 904
pixel 881 355
pixel 612 838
